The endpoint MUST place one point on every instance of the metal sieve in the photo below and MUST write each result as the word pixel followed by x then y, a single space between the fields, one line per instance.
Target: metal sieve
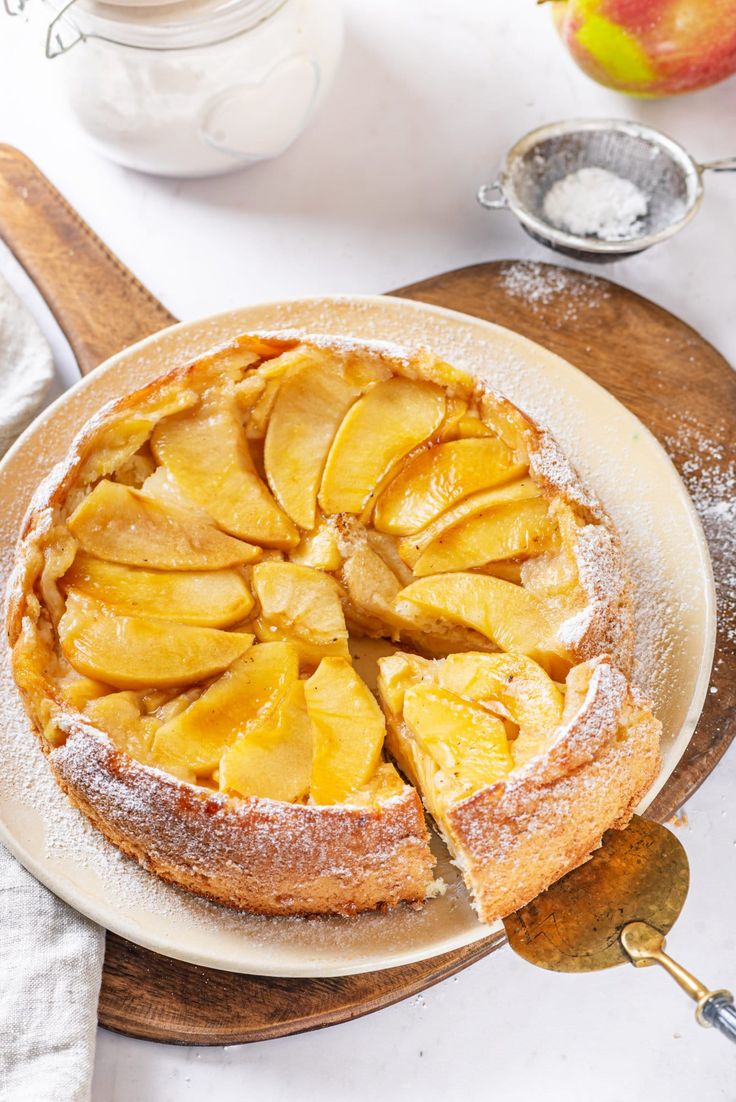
pixel 665 172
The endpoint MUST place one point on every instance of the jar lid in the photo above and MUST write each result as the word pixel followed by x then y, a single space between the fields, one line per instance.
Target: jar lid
pixel 143 3
pixel 156 24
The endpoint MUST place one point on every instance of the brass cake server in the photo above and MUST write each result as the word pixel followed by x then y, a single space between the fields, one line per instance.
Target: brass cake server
pixel 616 908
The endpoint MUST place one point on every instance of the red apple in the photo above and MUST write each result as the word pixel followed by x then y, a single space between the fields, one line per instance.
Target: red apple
pixel 650 47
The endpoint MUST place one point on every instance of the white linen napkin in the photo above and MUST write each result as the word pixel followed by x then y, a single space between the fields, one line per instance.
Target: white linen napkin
pixel 50 957
pixel 51 964
pixel 26 367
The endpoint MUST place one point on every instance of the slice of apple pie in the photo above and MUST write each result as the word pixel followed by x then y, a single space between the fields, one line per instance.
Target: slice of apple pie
pixel 188 585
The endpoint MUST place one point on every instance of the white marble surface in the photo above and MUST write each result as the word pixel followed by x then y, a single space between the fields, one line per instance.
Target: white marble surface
pixel 378 193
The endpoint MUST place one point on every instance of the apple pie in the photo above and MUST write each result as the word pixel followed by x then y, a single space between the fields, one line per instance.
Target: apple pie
pixel 189 586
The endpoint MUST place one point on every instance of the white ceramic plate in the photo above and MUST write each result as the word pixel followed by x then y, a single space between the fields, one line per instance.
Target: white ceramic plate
pixel 614 453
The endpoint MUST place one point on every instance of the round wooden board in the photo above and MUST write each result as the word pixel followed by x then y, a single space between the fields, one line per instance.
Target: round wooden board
pixel 671 378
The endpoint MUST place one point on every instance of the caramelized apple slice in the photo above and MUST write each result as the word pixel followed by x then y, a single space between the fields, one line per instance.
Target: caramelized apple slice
pixel 318 548
pixel 411 547
pixel 349 730
pixel 504 419
pixel 79 691
pixel 397 673
pixel 467 742
pixel 505 613
pixel 301 602
pixel 385 783
pixel 163 487
pixel 119 715
pixel 440 476
pixel 207 452
pixel 307 413
pixel 259 413
pixel 234 705
pixel 521 528
pixel 471 425
pixel 455 410
pixel 525 691
pixel 556 575
pixel 123 525
pixel 274 759
pixel 310 654
pixel 210 598
pixel 132 652
pixel 379 429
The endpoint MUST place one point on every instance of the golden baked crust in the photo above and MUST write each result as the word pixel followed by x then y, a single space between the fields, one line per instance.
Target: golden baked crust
pixel 258 855
pixel 370 849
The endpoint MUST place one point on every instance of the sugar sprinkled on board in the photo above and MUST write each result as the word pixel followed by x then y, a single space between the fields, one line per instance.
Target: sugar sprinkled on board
pixel 594 202
pixel 709 472
pixel 540 285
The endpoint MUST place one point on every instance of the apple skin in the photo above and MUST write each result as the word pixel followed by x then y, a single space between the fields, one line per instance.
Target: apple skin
pixel 650 47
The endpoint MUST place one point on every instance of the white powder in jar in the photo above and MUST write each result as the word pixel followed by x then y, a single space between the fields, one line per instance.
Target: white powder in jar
pixel 594 202
pixel 197 87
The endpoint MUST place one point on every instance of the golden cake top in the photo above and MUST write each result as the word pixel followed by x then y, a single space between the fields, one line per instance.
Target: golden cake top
pixel 190 578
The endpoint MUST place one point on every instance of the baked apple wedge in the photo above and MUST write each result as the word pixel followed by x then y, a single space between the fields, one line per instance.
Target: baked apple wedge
pixel 349 730
pixel 519 529
pixel 318 548
pixel 120 715
pixel 235 704
pixel 274 759
pixel 505 613
pixel 465 740
pixel 121 524
pixel 412 547
pixel 209 598
pixel 207 452
pixel 134 652
pixel 383 426
pixel 437 478
pixel 302 604
pixel 307 413
pixel 522 689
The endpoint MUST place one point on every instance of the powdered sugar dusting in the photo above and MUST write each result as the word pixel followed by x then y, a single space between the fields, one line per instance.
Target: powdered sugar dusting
pixel 709 471
pixel 539 285
pixel 598 203
pixel 74 854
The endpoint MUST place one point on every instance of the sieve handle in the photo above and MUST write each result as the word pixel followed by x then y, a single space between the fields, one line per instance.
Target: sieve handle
pixel 485 192
pixel 728 164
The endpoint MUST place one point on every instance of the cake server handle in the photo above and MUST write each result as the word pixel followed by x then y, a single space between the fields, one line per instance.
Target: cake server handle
pixel 719 1011
pixel 644 945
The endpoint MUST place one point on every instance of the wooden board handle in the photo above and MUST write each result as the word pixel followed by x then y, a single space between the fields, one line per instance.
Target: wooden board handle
pixel 100 305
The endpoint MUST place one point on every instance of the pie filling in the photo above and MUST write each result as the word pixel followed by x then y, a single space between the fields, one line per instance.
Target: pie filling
pixel 226 536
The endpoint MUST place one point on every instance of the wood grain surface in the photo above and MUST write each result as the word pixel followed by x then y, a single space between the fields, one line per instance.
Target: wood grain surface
pixel 100 306
pixel 659 367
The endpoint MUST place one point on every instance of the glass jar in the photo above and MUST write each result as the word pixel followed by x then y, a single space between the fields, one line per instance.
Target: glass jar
pixel 195 87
